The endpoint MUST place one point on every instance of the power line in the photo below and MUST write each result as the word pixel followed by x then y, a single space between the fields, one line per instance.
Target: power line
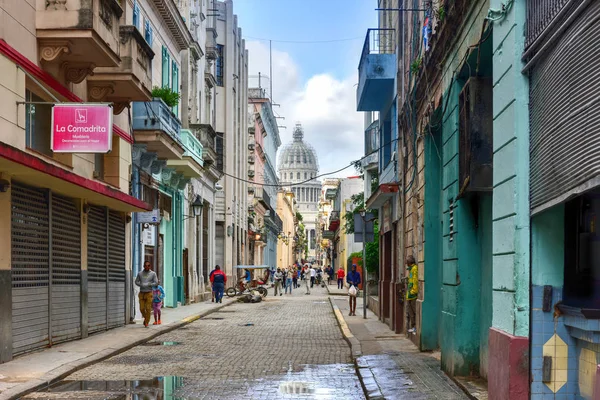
pixel 306 41
pixel 352 164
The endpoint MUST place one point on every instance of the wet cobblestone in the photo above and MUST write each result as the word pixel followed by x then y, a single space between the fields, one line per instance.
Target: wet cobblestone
pixel 287 347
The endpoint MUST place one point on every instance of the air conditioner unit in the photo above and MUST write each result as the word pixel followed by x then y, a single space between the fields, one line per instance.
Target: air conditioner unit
pixel 475 128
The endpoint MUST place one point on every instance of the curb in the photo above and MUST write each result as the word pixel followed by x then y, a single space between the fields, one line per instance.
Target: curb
pixel 336 294
pixel 65 370
pixel 365 375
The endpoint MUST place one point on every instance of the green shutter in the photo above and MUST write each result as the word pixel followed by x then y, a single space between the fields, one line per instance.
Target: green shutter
pixel 175 84
pixel 165 67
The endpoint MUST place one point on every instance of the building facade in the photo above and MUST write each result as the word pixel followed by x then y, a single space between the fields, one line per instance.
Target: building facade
pixel 263 144
pixel 231 126
pixel 298 169
pixel 66 216
pixel 457 195
pixel 286 210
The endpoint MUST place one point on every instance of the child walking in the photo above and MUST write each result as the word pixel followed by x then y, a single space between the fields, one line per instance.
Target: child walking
pixel 158 294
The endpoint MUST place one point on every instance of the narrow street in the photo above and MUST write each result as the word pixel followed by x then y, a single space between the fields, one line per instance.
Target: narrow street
pixel 284 347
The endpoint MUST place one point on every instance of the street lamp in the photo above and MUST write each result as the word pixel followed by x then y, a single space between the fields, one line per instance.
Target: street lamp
pixel 197 206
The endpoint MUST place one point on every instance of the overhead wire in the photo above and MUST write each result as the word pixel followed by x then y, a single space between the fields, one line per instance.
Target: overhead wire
pixel 305 41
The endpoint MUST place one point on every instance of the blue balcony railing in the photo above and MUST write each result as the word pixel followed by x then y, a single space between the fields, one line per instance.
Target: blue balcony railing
pixel 155 115
pixel 378 41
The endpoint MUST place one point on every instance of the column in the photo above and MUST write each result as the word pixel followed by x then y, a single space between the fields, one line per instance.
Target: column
pixel 5 275
pixel 508 337
pixel 200 256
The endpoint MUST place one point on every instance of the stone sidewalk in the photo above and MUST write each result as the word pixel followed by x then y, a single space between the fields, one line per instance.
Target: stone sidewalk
pixel 44 367
pixel 390 365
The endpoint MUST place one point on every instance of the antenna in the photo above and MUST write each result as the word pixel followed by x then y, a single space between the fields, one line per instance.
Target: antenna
pixel 271 71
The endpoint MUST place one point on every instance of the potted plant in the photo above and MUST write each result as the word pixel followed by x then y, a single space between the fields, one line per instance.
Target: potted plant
pixel 168 96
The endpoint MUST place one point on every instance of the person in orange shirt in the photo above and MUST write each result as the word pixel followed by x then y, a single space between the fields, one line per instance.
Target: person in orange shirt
pixel 340 275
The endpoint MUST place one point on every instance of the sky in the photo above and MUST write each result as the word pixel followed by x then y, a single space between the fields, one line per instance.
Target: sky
pixel 314 83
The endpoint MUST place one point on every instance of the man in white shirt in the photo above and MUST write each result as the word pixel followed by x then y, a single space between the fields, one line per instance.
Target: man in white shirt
pixel 313 273
pixel 306 277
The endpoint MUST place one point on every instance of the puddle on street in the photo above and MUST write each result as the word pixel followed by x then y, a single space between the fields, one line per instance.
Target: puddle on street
pixel 161 344
pixel 322 382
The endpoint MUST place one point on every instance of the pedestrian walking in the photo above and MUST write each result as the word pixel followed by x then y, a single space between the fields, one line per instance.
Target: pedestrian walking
pixel 340 277
pixel 353 280
pixel 295 274
pixel 146 280
pixel 278 276
pixel 306 277
pixel 313 275
pixel 412 292
pixel 329 274
pixel 158 295
pixel 218 279
pixel 289 280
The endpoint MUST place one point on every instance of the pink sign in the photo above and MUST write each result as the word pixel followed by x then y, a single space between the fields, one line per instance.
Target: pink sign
pixel 81 128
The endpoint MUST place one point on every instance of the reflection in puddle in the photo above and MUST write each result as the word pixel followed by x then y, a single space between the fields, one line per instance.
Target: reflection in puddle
pixel 322 382
pixel 161 388
pixel 161 344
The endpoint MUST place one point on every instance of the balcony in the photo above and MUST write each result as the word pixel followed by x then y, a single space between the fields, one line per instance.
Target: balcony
pixel 79 35
pixel 377 70
pixel 208 137
pixel 330 194
pixel 263 197
pixel 158 128
pixel 190 165
pixel 132 79
pixel 334 221
pixel 211 41
pixel 250 159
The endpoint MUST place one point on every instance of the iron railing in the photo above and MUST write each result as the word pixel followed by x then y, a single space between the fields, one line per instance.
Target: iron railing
pixel 540 13
pixel 378 41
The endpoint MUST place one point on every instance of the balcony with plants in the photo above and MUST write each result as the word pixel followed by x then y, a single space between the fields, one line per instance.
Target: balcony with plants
pixel 157 127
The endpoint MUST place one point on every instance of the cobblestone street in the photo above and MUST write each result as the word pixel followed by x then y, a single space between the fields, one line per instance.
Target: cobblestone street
pixel 284 347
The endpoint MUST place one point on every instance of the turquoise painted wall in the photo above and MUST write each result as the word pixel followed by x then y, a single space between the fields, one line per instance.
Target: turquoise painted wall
pixel 431 306
pixel 548 247
pixel 511 245
pixel 172 232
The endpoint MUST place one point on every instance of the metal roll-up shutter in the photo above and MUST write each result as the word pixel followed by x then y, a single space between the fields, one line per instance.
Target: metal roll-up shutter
pixel 30 268
pixel 565 114
pixel 97 269
pixel 66 270
pixel 116 269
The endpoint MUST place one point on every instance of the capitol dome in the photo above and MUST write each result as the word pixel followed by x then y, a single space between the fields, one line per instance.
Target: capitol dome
pixel 298 159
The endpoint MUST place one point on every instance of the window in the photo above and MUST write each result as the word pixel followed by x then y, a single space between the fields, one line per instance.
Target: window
pixel 148 32
pixel 284 175
pixel 219 66
pixel 175 84
pixel 166 60
pixel 37 124
pixel 219 150
pixel 136 14
pixel 582 252
pixel 298 175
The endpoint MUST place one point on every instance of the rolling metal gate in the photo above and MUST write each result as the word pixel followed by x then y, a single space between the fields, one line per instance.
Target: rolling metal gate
pixel 565 114
pixel 46 269
pixel 106 269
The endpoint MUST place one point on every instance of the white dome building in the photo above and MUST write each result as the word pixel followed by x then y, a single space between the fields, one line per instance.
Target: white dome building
pixel 298 168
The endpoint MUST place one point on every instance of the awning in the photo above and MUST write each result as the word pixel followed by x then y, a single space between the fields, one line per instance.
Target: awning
pixel 34 171
pixel 383 193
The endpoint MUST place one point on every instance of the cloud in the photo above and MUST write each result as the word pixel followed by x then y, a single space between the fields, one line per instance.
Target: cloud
pixel 324 105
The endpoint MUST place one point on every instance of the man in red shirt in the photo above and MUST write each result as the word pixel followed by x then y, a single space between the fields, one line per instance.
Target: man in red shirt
pixel 218 280
pixel 340 275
